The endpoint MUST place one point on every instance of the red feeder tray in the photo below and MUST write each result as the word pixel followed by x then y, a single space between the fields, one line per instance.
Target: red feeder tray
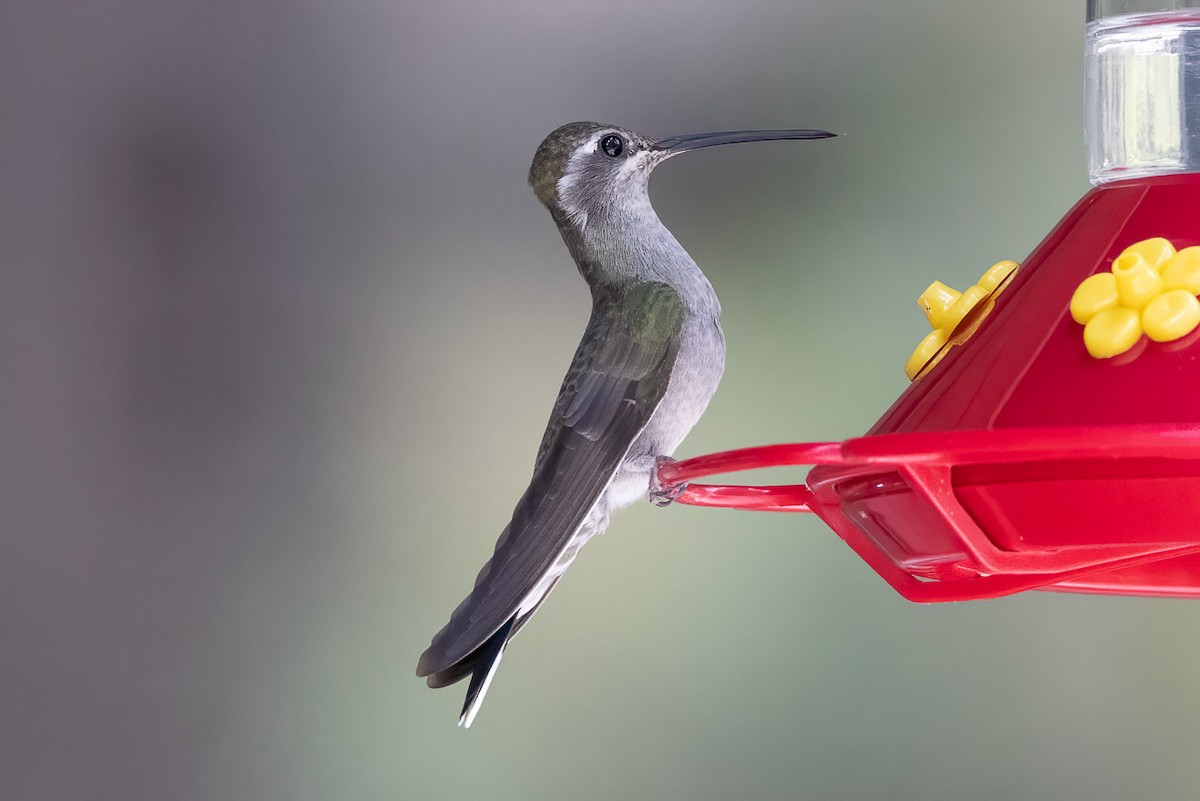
pixel 1019 461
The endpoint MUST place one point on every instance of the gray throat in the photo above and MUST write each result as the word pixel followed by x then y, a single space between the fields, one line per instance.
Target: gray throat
pixel 629 247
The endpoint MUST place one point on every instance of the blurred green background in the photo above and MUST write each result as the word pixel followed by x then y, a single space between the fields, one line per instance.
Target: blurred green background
pixel 281 323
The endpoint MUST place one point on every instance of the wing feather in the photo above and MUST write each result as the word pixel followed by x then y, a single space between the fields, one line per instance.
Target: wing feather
pixel 617 378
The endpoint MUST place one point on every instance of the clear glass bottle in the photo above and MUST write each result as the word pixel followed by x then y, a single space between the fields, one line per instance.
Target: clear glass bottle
pixel 1142 67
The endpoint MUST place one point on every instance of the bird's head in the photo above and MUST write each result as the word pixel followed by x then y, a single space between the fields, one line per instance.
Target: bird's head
pixel 584 168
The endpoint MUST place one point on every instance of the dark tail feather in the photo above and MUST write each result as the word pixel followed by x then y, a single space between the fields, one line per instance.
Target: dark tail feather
pixel 486 662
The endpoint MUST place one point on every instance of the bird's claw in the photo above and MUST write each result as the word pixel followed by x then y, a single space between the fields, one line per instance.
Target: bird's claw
pixel 660 494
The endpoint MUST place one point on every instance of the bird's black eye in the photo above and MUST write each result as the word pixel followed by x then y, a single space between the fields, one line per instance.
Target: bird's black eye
pixel 613 145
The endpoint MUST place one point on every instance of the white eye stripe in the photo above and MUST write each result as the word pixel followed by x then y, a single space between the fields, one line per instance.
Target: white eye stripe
pixel 566 198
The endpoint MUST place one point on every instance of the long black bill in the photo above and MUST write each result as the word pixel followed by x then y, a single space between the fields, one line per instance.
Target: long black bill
pixel 678 144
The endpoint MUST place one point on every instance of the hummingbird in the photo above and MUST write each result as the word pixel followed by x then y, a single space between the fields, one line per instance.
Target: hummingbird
pixel 650 360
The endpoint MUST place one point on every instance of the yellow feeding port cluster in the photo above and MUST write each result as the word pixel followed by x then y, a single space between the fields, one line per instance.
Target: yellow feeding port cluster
pixel 946 309
pixel 1151 289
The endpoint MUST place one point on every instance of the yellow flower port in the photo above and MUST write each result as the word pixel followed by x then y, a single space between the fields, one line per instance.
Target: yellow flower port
pixel 946 310
pixel 1150 289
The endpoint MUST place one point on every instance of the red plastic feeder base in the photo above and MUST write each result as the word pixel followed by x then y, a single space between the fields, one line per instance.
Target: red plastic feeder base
pixel 1017 460
pixel 963 515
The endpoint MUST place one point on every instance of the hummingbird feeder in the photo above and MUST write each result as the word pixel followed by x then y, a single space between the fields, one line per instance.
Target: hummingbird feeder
pixel 1050 438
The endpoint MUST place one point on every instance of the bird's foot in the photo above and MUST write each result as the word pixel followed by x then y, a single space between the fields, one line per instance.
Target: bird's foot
pixel 660 494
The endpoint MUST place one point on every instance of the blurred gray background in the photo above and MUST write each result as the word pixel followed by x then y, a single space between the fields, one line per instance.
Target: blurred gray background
pixel 281 323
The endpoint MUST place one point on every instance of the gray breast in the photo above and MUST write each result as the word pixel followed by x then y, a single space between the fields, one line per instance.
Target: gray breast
pixel 698 369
